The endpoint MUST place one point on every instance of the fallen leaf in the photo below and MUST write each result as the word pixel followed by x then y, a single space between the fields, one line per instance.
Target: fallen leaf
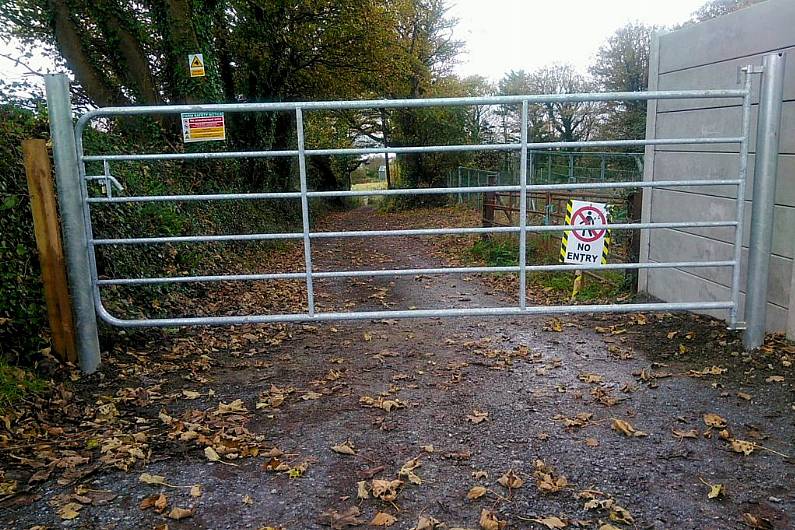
pixel 510 480
pixel 625 428
pixel 551 522
pixel 361 490
pixel 478 416
pixel 407 471
pixel 476 492
pixel 743 446
pixel 383 519
pixel 744 396
pixel 714 370
pixel 713 420
pixel 586 377
pixel 715 490
pixel 211 454
pixel 386 490
pixel 248 500
pixel 621 515
pixel 311 396
pixel 592 442
pixel 146 478
pixel 298 471
pixel 345 448
pixel 178 514
pixel 577 421
pixel 480 474
pixel 235 407
pixel 547 479
pixel 161 502
pixel 775 379
pixel 692 433
pixel 757 521
pixel 190 394
pixel 196 490
pixel 426 522
pixel 70 510
pixel 427 448
pixel 338 521
pixel 489 521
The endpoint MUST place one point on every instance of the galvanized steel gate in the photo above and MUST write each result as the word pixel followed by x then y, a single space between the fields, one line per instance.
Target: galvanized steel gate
pixel 71 168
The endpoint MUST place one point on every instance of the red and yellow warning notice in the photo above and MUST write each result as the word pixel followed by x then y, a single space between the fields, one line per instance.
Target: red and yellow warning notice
pixel 203 126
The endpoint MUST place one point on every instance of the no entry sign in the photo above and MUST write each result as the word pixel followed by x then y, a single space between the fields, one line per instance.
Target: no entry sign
pixel 203 126
pixel 588 246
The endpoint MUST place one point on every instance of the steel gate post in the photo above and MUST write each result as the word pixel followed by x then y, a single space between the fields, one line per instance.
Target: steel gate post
pixel 71 204
pixel 765 172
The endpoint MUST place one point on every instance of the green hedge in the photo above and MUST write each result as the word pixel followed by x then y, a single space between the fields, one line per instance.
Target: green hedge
pixel 23 316
pixel 23 319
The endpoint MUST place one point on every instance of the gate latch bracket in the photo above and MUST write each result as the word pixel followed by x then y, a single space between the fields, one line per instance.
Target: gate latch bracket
pixel 750 69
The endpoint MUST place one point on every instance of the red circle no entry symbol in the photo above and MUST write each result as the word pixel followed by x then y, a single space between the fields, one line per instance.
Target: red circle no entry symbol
pixel 588 215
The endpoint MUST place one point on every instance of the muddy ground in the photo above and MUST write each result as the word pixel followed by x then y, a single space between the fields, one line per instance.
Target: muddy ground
pixel 471 399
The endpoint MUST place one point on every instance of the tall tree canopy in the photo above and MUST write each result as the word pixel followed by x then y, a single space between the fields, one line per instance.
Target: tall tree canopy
pixel 124 52
pixel 622 65
pixel 716 8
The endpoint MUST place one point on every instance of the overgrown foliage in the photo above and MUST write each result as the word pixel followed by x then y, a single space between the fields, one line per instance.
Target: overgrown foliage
pixel 23 317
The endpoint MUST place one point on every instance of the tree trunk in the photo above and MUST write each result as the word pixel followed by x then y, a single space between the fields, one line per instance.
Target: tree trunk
pixel 97 85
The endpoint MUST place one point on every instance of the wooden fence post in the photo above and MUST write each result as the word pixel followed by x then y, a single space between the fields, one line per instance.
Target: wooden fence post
pixel 48 242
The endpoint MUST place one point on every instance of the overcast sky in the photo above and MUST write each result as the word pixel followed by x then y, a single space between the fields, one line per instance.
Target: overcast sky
pixel 504 35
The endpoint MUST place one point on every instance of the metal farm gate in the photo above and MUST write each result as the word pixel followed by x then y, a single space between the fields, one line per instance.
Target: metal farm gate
pixel 76 205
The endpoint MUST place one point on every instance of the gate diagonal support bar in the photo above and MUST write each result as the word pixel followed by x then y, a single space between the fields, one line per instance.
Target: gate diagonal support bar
pixel 76 204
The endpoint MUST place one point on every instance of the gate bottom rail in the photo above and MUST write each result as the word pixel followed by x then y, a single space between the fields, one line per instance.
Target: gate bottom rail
pixel 409 313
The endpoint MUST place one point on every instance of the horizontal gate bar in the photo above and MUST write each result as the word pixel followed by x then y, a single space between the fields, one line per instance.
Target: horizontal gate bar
pixel 417 149
pixel 412 313
pixel 417 191
pixel 407 272
pixel 411 232
pixel 413 103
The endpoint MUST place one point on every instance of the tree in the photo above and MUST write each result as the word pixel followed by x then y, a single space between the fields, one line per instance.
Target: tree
pixel 716 8
pixel 622 65
pixel 572 121
pixel 516 83
pixel 425 51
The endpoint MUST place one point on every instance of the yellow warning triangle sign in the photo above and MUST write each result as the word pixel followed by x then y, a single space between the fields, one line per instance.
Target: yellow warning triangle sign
pixel 196 63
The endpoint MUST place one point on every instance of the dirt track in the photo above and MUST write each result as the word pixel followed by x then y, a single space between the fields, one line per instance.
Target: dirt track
pixel 531 379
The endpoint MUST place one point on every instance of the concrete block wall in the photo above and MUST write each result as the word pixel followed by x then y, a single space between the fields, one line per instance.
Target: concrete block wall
pixel 708 55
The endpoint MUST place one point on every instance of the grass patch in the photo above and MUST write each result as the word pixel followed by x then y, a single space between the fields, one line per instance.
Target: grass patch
pixel 369 186
pixel 543 249
pixel 373 200
pixel 496 252
pixel 562 282
pixel 16 384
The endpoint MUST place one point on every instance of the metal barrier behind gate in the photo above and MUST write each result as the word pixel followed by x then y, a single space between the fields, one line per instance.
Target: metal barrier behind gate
pixel 308 236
